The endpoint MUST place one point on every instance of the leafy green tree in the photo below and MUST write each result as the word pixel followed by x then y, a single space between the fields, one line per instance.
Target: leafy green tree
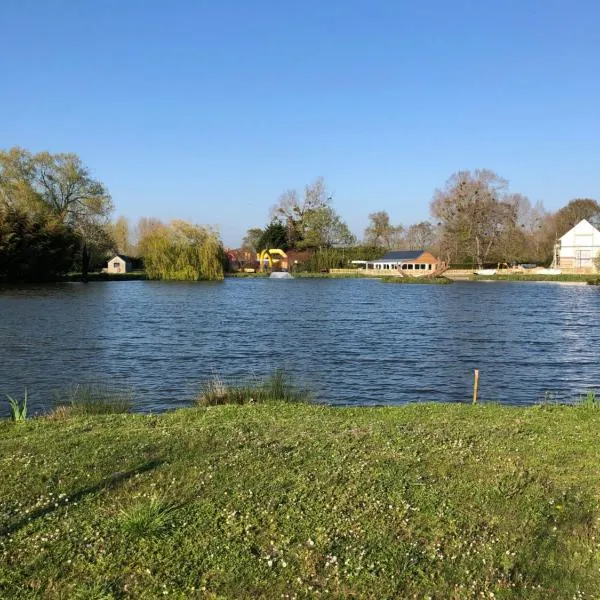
pixel 59 185
pixel 274 236
pixel 33 247
pixel 324 228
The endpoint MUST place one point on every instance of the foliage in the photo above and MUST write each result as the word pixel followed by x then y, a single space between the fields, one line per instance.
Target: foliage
pixel 252 240
pixel 339 258
pixel 18 408
pixel 278 387
pixel 325 229
pixel 311 222
pixel 264 500
pixel 121 236
pixel 93 400
pixel 381 233
pixel 274 236
pixel 58 187
pixel 33 247
pixel 182 251
pixel 575 211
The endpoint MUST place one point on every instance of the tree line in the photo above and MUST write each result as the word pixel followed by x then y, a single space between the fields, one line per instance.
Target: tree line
pixel 55 217
pixel 475 220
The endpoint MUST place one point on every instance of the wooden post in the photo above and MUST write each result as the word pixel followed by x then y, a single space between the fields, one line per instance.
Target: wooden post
pixel 475 386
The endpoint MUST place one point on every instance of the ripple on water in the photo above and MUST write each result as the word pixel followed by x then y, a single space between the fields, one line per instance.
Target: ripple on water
pixel 350 341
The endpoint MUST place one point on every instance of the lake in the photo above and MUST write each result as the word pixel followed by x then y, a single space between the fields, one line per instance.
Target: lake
pixel 351 341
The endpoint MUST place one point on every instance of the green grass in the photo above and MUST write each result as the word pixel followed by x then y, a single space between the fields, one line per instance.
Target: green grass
pixel 297 500
pixel 18 408
pixel 532 277
pixel 278 386
pixel 421 280
pixel 92 400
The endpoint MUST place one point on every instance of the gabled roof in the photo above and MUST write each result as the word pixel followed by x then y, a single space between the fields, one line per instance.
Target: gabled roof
pixel 402 255
pixel 122 257
pixel 583 224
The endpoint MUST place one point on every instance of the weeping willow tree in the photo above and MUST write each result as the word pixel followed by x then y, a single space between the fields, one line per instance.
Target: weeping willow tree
pixel 183 252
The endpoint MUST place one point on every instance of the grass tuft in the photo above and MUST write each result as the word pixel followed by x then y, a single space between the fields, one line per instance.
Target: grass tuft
pixel 92 400
pixel 18 408
pixel 279 386
pixel 589 400
pixel 146 518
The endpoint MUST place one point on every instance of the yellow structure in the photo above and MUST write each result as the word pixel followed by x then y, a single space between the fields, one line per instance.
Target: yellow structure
pixel 269 258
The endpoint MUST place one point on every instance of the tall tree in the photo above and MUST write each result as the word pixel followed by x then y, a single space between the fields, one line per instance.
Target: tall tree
pixel 381 233
pixel 33 247
pixel 475 212
pixel 274 236
pixel 294 212
pixel 60 185
pixel 324 229
pixel 121 235
pixel 576 210
pixel 252 238
pixel 183 251
pixel 420 236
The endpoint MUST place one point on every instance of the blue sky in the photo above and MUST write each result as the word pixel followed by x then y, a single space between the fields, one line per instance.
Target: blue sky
pixel 208 110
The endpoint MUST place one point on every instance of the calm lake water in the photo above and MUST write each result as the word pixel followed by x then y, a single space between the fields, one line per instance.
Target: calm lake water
pixel 350 341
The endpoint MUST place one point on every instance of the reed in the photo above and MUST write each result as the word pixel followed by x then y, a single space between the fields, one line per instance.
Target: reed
pixel 278 386
pixel 92 400
pixel 18 408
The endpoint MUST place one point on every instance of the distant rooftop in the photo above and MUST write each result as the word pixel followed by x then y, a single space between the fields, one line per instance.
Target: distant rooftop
pixel 402 255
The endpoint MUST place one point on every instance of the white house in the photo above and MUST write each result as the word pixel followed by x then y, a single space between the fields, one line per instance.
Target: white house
pixel 119 264
pixel 578 248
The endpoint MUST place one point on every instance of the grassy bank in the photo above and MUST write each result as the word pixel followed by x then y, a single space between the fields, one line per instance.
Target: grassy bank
pixel 131 276
pixel 421 280
pixel 520 277
pixel 295 500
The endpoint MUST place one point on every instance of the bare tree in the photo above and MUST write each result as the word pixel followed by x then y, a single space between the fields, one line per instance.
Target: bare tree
pixel 475 212
pixel 420 236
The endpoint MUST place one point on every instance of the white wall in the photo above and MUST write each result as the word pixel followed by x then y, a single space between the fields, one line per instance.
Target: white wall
pixel 113 268
pixel 579 246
